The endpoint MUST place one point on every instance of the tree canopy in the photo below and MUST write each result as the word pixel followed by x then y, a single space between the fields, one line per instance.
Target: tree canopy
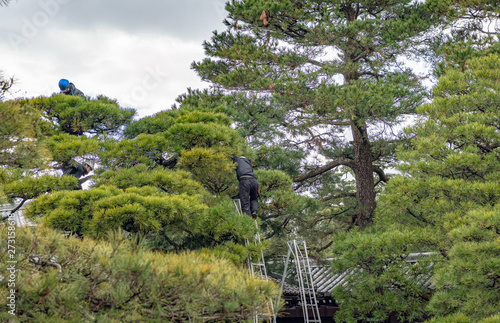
pixel 330 78
pixel 70 279
pixel 444 202
pixel 171 188
pixel 317 94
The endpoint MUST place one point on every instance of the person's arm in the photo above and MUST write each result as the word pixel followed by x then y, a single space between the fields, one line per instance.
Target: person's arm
pixel 80 170
pixel 84 179
pixel 66 167
pixel 79 93
pixel 59 166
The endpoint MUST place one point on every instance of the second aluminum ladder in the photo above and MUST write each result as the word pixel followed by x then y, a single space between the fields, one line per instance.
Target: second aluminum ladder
pixel 304 278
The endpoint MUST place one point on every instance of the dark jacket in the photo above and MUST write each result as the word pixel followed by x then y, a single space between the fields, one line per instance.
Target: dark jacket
pixel 77 170
pixel 74 91
pixel 244 167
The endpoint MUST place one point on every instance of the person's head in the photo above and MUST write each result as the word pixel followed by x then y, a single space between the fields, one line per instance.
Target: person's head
pixel 88 166
pixel 64 85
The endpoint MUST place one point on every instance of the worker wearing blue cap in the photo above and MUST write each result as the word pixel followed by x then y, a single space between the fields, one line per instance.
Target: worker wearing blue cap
pixel 69 88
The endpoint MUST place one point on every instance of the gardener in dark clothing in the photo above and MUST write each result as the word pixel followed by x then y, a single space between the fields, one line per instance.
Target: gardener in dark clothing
pixel 75 169
pixel 69 88
pixel 249 187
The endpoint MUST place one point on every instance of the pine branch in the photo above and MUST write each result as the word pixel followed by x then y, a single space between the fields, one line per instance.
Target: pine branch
pixel 14 210
pixel 37 261
pixel 341 161
pixel 337 196
pixel 319 249
pixel 381 174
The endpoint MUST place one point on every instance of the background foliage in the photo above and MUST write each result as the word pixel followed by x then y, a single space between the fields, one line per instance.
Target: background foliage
pixel 71 279
pixel 307 90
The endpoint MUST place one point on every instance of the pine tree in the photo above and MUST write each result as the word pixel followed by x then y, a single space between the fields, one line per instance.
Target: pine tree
pixel 443 207
pixel 22 134
pixel 39 134
pixel 444 203
pixel 459 175
pixel 168 177
pixel 60 279
pixel 305 72
pixel 169 186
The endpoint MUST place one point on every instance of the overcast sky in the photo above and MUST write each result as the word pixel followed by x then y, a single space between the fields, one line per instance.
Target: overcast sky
pixel 138 52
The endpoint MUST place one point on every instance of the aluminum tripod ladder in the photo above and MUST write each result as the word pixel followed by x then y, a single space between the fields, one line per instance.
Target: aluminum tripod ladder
pixel 258 268
pixel 304 277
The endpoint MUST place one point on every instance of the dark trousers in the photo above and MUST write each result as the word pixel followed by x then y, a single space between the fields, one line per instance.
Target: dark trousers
pixel 249 192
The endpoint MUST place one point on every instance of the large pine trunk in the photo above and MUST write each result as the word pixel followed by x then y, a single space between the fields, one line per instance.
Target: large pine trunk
pixel 363 174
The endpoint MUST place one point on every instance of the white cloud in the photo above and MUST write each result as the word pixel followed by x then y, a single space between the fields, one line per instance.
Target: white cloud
pixel 136 52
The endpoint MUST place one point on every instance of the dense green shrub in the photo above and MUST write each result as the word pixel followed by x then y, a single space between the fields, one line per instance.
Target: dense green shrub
pixel 70 279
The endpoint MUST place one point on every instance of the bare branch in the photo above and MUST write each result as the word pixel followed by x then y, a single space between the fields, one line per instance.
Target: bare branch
pixel 380 173
pixel 39 262
pixel 320 170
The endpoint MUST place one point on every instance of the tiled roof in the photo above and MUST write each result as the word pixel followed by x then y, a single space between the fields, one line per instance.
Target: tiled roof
pixel 325 281
pixel 6 209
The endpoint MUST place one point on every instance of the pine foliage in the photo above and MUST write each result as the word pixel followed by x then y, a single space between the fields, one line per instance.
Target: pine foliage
pixel 444 202
pixel 308 73
pixel 155 236
pixel 171 184
pixel 22 131
pixel 73 280
pixel 76 116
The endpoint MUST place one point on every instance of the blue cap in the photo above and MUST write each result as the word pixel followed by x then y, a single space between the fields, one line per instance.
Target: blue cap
pixel 63 84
